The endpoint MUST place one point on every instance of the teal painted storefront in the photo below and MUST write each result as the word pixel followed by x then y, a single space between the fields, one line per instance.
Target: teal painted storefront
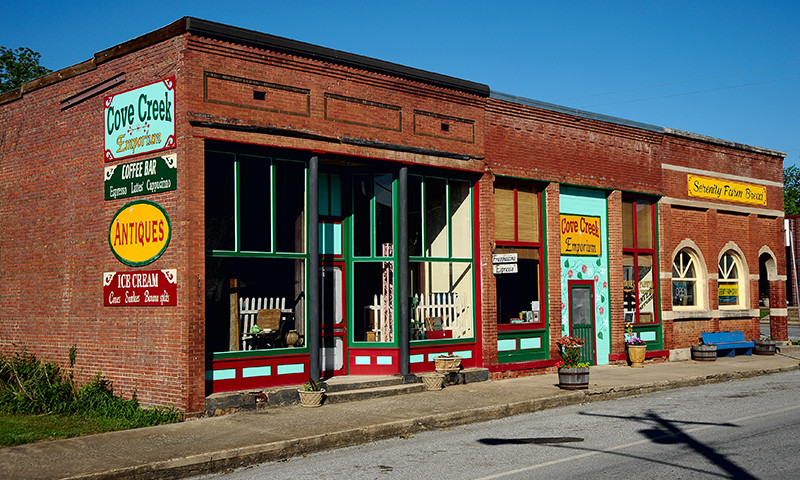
pixel 588 270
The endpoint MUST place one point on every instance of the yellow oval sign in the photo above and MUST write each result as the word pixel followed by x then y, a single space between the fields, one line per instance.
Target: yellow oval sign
pixel 139 233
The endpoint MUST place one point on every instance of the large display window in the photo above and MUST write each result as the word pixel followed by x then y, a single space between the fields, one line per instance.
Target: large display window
pixel 256 260
pixel 639 269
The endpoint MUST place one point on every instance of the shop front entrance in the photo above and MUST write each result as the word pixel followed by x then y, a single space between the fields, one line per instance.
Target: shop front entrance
pixel 581 316
pixel 333 331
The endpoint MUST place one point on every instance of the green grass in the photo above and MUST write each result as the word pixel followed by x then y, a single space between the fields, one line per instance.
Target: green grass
pixel 21 429
pixel 40 401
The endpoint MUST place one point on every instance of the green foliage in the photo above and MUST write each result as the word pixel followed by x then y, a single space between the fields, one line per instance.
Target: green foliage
pixel 31 387
pixel 19 66
pixel 791 190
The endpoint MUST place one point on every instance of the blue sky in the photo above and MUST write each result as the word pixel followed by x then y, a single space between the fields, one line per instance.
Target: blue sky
pixel 727 69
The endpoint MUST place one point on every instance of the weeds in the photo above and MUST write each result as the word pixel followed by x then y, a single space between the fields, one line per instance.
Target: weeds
pixel 31 387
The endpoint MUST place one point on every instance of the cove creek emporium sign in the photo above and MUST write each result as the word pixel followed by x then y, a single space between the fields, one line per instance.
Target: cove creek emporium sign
pixel 139 233
pixel 142 288
pixel 726 190
pixel 141 120
pixel 580 235
pixel 153 175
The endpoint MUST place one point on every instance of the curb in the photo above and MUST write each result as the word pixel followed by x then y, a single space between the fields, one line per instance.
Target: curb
pixel 229 459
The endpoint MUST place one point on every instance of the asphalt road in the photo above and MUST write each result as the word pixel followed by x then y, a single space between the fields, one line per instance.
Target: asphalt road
pixel 794 331
pixel 741 429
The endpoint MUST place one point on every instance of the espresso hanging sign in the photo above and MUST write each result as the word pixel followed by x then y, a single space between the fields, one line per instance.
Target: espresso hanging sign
pixel 139 121
pixel 139 233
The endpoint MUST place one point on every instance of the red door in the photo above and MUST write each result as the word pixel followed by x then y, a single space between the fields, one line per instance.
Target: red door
pixel 333 331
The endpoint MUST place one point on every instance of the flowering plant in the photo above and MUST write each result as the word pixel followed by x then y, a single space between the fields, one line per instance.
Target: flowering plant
pixel 571 352
pixel 631 338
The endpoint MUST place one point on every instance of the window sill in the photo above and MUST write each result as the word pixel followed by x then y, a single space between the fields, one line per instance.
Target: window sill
pixel 690 314
pixel 736 313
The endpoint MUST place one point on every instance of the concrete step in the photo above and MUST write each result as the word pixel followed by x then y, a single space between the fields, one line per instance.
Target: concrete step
pixel 342 396
pixel 348 388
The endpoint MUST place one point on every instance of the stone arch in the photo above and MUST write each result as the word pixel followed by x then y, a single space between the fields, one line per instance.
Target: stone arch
pixel 689 244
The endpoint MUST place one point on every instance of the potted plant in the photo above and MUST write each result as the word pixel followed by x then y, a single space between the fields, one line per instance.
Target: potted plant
pixel 432 380
pixel 704 353
pixel 312 393
pixel 765 346
pixel 573 374
pixel 447 363
pixel 637 348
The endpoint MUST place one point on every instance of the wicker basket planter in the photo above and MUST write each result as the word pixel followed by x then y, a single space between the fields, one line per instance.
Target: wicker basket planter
pixel 447 363
pixel 636 355
pixel 704 353
pixel 765 347
pixel 433 381
pixel 311 398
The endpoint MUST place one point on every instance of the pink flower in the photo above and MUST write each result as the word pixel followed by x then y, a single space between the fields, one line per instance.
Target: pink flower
pixel 605 285
pixel 601 310
pixel 583 269
pixel 563 306
pixel 597 279
pixel 569 274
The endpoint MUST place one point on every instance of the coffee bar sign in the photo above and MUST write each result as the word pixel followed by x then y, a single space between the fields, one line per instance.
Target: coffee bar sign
pixel 154 175
pixel 140 288
pixel 139 121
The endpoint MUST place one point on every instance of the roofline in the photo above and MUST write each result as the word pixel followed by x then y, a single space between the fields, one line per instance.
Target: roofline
pixel 725 143
pixel 252 38
pixel 574 112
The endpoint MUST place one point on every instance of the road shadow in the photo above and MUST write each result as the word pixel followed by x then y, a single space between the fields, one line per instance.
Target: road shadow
pixel 659 430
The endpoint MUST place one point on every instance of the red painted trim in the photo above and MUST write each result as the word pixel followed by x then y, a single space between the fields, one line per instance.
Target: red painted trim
pixel 272 380
pixel 477 353
pixel 513 327
pixel 449 348
pixel 505 367
pixel 373 368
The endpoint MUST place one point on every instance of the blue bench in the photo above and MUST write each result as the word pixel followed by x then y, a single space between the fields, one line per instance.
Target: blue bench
pixel 730 343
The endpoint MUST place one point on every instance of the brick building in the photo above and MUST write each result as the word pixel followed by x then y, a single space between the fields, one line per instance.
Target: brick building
pixel 363 215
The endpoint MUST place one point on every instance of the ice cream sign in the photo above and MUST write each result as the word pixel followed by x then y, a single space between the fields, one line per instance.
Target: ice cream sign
pixel 139 233
pixel 141 120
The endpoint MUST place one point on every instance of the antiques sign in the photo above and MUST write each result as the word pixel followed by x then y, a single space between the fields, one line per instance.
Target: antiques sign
pixel 139 233
pixel 580 235
pixel 139 121
pixel 153 175
pixel 726 190
pixel 141 288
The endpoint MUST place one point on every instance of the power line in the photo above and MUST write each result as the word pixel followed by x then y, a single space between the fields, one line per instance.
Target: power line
pixel 679 82
pixel 694 92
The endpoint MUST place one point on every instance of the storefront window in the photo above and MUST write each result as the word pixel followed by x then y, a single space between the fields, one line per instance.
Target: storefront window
pixel 255 239
pixel 440 248
pixel 373 301
pixel 243 293
pixel 638 269
pixel 685 280
pixel 372 216
pixel 518 244
pixel 731 288
pixel 441 300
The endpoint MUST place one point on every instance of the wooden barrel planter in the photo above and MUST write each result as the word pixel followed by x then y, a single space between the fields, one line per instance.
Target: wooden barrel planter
pixel 704 353
pixel 576 378
pixel 765 347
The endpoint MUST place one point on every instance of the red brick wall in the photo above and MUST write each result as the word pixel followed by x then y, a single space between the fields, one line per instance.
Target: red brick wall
pixel 54 247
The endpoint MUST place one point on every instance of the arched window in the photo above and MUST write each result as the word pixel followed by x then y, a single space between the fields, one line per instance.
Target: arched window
pixel 732 289
pixel 686 277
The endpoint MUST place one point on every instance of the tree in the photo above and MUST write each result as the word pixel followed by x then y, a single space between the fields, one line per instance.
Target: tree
pixel 19 66
pixel 791 190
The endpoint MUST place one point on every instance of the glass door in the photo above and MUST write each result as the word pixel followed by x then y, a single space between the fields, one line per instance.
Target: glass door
pixel 333 331
pixel 581 316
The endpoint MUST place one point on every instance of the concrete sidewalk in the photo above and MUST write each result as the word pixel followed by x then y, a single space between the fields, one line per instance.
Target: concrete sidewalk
pixel 214 444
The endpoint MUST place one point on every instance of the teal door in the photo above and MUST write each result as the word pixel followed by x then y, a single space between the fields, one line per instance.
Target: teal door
pixel 581 316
